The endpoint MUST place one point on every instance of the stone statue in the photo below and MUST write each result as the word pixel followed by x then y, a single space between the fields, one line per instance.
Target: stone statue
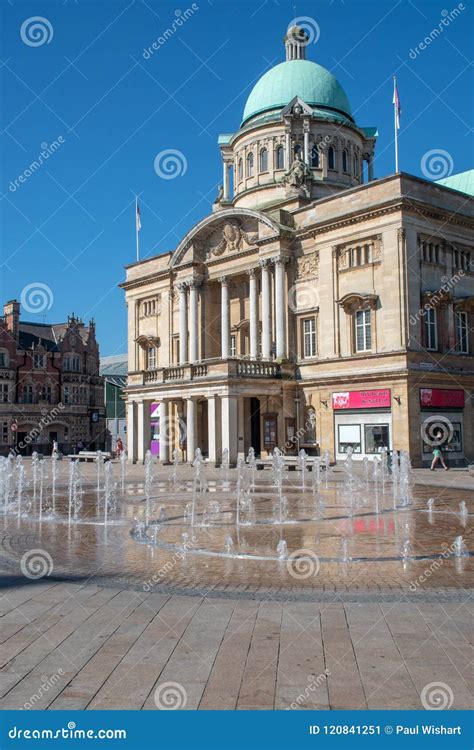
pixel 297 175
pixel 220 195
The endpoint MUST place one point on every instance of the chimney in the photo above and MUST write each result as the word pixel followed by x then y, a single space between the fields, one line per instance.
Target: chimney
pixel 11 312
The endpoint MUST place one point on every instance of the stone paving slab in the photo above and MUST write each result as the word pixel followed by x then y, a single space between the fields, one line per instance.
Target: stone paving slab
pixel 118 649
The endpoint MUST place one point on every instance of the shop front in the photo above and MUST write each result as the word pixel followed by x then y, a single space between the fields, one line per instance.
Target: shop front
pixel 442 424
pixel 363 422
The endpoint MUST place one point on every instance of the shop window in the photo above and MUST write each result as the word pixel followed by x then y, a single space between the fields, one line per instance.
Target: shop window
pixel 331 158
pixel 263 167
pixel 308 331
pixel 462 333
pixel 431 329
pixel 454 442
pixel 279 157
pixel 376 437
pixel 348 436
pixel 363 331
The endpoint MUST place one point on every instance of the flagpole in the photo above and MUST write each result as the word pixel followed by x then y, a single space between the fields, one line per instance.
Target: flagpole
pixel 395 122
pixel 136 227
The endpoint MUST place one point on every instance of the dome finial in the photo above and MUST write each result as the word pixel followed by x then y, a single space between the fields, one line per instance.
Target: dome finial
pixel 296 40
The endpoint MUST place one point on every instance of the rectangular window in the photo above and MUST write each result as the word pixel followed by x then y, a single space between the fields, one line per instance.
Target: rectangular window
pixel 431 332
pixel 3 359
pixel 4 432
pixel 376 437
pixel 462 332
pixel 151 357
pixel 363 331
pixel 46 393
pixel 66 394
pixel 233 346
pixel 309 337
pixel 27 394
pixel 38 361
pixel 3 393
pixel 348 437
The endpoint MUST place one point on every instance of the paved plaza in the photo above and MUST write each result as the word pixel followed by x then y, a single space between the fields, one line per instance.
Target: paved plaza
pixel 117 623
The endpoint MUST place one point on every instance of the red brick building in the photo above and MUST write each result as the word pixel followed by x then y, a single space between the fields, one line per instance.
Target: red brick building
pixel 50 387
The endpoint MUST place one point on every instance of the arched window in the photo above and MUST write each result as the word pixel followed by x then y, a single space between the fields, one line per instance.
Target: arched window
pixel 344 161
pixel 356 165
pixel 331 158
pixel 241 169
pixel 298 151
pixel 250 165
pixel 279 158
pixel 315 157
pixel 263 160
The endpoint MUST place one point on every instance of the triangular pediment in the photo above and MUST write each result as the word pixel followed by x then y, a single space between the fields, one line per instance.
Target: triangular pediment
pixel 297 107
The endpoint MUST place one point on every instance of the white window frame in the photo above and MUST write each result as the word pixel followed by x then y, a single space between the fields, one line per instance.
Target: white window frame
pixel 233 345
pixel 309 341
pixel 366 317
pixel 462 331
pixel 151 358
pixel 431 330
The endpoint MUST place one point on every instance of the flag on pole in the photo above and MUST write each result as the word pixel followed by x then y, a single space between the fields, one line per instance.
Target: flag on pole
pixel 396 104
pixel 139 224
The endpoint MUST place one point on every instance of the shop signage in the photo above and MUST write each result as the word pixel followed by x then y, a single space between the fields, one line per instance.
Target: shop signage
pixel 376 399
pixel 442 397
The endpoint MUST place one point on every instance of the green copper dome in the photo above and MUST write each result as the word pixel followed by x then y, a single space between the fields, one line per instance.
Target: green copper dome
pixel 308 80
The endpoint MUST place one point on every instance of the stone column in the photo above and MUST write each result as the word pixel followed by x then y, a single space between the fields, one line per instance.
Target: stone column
pixel 229 427
pixel 280 307
pixel 226 181
pixel 253 294
pixel 183 324
pixel 288 158
pixel 306 142
pixel 165 432
pixel 266 311
pixel 213 429
pixel 225 318
pixel 132 447
pixel 370 167
pixel 190 429
pixel 193 321
pixel 143 429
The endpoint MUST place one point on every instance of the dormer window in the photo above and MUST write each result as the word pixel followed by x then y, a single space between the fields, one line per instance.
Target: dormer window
pixel 39 361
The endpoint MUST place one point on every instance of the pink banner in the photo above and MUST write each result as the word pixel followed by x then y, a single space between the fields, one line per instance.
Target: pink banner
pixel 442 397
pixel 361 399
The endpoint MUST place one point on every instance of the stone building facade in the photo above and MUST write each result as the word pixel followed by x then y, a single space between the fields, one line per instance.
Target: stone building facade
pixel 50 387
pixel 316 307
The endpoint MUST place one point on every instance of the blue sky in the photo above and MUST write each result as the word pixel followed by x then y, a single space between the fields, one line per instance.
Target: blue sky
pixel 105 111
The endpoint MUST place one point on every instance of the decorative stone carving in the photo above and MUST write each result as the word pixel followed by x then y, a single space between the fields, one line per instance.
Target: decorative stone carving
pixel 307 266
pixel 298 176
pixel 232 236
pixel 220 195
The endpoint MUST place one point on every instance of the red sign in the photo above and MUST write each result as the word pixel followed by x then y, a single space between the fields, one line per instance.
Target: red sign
pixel 361 399
pixel 442 397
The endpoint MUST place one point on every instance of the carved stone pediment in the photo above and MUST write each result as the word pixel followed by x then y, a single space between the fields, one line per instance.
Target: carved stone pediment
pixel 307 266
pixel 354 301
pixel 231 238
